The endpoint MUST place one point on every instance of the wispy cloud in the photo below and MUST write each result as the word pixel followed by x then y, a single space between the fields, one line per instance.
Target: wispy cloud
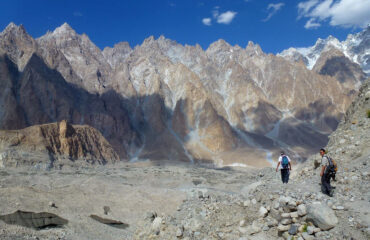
pixel 207 21
pixel 226 17
pixel 77 14
pixel 311 24
pixel 344 13
pixel 273 8
pixel 305 7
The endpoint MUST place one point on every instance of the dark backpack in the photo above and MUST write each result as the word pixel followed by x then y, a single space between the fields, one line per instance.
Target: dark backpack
pixel 285 162
pixel 330 169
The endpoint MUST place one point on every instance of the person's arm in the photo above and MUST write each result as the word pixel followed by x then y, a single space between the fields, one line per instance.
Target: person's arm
pixel 277 167
pixel 324 161
pixel 322 171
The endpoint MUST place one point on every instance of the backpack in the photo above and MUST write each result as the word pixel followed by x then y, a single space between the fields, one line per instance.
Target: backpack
pixel 285 162
pixel 332 167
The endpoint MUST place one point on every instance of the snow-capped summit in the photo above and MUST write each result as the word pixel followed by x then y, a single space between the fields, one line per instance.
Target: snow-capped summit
pixel 356 47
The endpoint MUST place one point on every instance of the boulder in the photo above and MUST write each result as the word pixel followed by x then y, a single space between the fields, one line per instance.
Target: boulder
pixel 293 229
pixel 321 215
pixel 156 224
pixel 262 212
pixel 301 209
pixel 306 236
pixel 283 228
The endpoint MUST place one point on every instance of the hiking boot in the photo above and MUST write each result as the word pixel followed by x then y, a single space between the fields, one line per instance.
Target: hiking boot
pixel 331 193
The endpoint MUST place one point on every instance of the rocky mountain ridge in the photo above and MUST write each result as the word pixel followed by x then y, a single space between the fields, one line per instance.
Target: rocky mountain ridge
pixel 355 47
pixel 217 105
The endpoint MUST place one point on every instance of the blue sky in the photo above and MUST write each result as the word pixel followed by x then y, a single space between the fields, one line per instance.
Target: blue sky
pixel 274 25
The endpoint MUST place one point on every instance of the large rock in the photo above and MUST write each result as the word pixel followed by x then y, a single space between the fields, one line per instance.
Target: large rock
pixel 58 143
pixel 321 215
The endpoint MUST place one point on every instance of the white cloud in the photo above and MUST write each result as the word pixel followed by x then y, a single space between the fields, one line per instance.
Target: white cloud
pixel 344 13
pixel 305 7
pixel 273 8
pixel 226 17
pixel 207 21
pixel 310 24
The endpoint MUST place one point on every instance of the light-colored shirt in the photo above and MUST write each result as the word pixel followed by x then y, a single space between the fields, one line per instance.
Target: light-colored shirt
pixel 324 161
pixel 281 161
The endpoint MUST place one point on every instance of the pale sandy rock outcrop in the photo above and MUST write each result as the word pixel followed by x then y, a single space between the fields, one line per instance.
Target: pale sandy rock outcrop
pixel 60 141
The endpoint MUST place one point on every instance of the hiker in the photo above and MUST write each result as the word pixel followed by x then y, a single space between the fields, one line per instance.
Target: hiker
pixel 327 169
pixel 285 167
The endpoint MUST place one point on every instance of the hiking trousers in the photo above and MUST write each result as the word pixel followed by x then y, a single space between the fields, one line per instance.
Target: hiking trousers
pixel 325 184
pixel 284 175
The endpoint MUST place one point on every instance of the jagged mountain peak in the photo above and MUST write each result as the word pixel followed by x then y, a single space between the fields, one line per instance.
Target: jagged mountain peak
pixel 64 29
pixel 253 48
pixel 149 40
pixel 356 47
pixel 219 44
pixel 12 28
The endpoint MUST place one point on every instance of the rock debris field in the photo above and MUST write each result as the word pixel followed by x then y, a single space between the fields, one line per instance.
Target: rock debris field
pixel 166 201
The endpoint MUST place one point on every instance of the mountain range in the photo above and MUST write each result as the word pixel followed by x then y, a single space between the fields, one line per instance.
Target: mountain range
pixel 162 100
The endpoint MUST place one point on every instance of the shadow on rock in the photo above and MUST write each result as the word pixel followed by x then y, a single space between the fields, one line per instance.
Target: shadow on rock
pixel 34 220
pixel 110 222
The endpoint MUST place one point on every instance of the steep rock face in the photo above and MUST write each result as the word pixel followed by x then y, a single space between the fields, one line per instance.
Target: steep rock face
pixel 57 143
pixel 352 137
pixel 86 59
pixel 163 100
pixel 334 63
pixel 19 46
pixel 40 95
pixel 117 54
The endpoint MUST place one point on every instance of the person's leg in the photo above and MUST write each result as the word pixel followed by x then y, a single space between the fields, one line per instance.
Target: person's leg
pixel 287 176
pixel 325 184
pixel 324 188
pixel 282 175
pixel 328 177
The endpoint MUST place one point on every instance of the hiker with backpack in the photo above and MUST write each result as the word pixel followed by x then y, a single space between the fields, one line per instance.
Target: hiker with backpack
pixel 327 171
pixel 286 167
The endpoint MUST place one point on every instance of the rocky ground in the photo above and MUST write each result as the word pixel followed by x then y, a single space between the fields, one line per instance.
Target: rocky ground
pixel 148 200
pixel 188 202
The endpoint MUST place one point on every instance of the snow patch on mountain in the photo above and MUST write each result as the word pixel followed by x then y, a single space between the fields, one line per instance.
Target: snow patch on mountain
pixel 356 47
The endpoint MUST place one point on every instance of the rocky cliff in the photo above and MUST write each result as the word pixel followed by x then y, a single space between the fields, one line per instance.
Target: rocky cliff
pixel 163 100
pixel 54 146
